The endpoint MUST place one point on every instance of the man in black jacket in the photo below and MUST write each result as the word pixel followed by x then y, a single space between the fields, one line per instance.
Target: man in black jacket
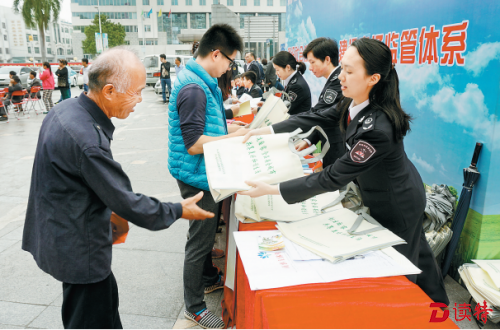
pixel 248 78
pixel 270 76
pixel 253 65
pixel 76 183
pixel 165 77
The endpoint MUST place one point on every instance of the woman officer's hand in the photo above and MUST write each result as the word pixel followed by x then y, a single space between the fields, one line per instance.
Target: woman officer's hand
pixel 260 188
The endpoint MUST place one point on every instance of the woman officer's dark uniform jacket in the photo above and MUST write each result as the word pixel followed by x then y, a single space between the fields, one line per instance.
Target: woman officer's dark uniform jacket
pixel 328 100
pixel 390 186
pixel 299 93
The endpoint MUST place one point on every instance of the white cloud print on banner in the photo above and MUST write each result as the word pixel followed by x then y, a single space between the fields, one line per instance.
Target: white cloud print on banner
pixel 465 108
pixel 477 60
pixel 422 163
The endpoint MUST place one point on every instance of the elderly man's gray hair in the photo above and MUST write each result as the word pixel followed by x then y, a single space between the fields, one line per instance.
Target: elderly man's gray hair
pixel 112 67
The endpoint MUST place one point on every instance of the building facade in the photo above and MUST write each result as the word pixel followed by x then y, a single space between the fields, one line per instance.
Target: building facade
pixel 171 25
pixel 18 44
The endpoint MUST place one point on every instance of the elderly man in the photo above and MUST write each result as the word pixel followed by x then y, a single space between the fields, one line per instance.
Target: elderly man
pixel 76 184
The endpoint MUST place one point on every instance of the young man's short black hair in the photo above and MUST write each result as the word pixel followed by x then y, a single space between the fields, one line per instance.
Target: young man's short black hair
pixel 250 75
pixel 163 56
pixel 251 54
pixel 222 37
pixel 33 73
pixel 13 73
pixel 323 47
pixel 178 59
pixel 16 79
pixel 86 60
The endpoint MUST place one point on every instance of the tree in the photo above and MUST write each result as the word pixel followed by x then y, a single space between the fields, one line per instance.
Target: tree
pixel 37 15
pixel 115 31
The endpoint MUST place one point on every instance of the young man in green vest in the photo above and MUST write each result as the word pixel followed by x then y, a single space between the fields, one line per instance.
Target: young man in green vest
pixel 197 116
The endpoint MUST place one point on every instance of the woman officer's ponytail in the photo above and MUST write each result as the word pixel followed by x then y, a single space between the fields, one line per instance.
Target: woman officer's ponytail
pixel 385 94
pixel 284 58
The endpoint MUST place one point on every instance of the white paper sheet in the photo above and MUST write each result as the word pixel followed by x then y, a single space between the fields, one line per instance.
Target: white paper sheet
pixel 268 270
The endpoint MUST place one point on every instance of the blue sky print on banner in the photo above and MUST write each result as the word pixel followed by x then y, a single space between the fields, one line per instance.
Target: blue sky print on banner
pixel 447 56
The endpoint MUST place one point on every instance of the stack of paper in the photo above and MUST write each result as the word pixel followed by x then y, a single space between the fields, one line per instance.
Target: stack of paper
pixel 230 162
pixel 272 112
pixel 481 285
pixel 268 270
pixel 339 235
pixel 274 207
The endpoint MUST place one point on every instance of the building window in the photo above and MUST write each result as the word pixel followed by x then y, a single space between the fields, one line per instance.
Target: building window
pixel 105 2
pixel 147 28
pixel 178 22
pixel 189 2
pixel 35 37
pixel 69 51
pixel 216 2
pixel 130 28
pixel 37 50
pixel 283 3
pixel 145 2
pixel 47 39
pixel 230 3
pixel 127 42
pixel 270 3
pixel 66 30
pixel 29 50
pixel 149 42
pixel 198 21
pixel 5 37
pixel 243 2
pixel 1 50
pixel 160 2
pixel 175 2
pixel 110 15
pixel 6 51
pixel 256 2
pixel 203 2
pixel 3 25
pixel 242 19
pixel 49 51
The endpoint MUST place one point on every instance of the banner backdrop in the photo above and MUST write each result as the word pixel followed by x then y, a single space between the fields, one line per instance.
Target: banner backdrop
pixel 447 58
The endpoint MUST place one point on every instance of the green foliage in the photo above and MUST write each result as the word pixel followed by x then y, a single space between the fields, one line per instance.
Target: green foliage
pixel 37 14
pixel 453 191
pixel 115 31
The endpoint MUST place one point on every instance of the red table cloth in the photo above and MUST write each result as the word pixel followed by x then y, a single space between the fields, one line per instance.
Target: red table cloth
pixel 388 302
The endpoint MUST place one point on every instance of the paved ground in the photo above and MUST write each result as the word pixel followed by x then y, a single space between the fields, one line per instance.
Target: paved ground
pixel 148 267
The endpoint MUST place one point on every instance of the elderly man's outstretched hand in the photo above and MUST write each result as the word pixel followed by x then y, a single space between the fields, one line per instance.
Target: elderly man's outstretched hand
pixel 191 211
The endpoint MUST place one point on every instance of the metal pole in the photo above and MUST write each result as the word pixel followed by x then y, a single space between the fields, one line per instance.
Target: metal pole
pixel 143 35
pixel 100 29
pixel 248 33
pixel 171 29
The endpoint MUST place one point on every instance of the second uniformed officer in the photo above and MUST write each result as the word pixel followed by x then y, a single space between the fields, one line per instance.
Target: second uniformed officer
pixel 322 55
pixel 374 125
pixel 290 72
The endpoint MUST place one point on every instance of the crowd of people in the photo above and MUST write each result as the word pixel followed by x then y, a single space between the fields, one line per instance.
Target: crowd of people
pixel 44 78
pixel 76 183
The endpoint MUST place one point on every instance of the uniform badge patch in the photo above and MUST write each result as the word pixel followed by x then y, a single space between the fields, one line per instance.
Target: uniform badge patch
pixel 368 123
pixel 362 151
pixel 292 95
pixel 294 80
pixel 334 77
pixel 330 96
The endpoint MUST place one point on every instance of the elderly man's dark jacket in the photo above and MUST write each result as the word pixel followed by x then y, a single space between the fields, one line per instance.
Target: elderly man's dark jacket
pixel 75 185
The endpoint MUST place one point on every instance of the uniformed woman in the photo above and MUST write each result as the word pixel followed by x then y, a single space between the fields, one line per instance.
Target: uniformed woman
pixel 374 125
pixel 290 72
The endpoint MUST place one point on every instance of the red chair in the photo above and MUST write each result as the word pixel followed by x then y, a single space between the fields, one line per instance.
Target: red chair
pixel 18 105
pixel 3 106
pixel 33 100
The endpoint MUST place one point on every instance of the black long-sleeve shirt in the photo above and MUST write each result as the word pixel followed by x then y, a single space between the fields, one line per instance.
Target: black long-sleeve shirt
pixel 75 184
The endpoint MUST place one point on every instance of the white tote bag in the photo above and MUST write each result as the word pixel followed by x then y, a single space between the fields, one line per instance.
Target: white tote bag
pixel 268 158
